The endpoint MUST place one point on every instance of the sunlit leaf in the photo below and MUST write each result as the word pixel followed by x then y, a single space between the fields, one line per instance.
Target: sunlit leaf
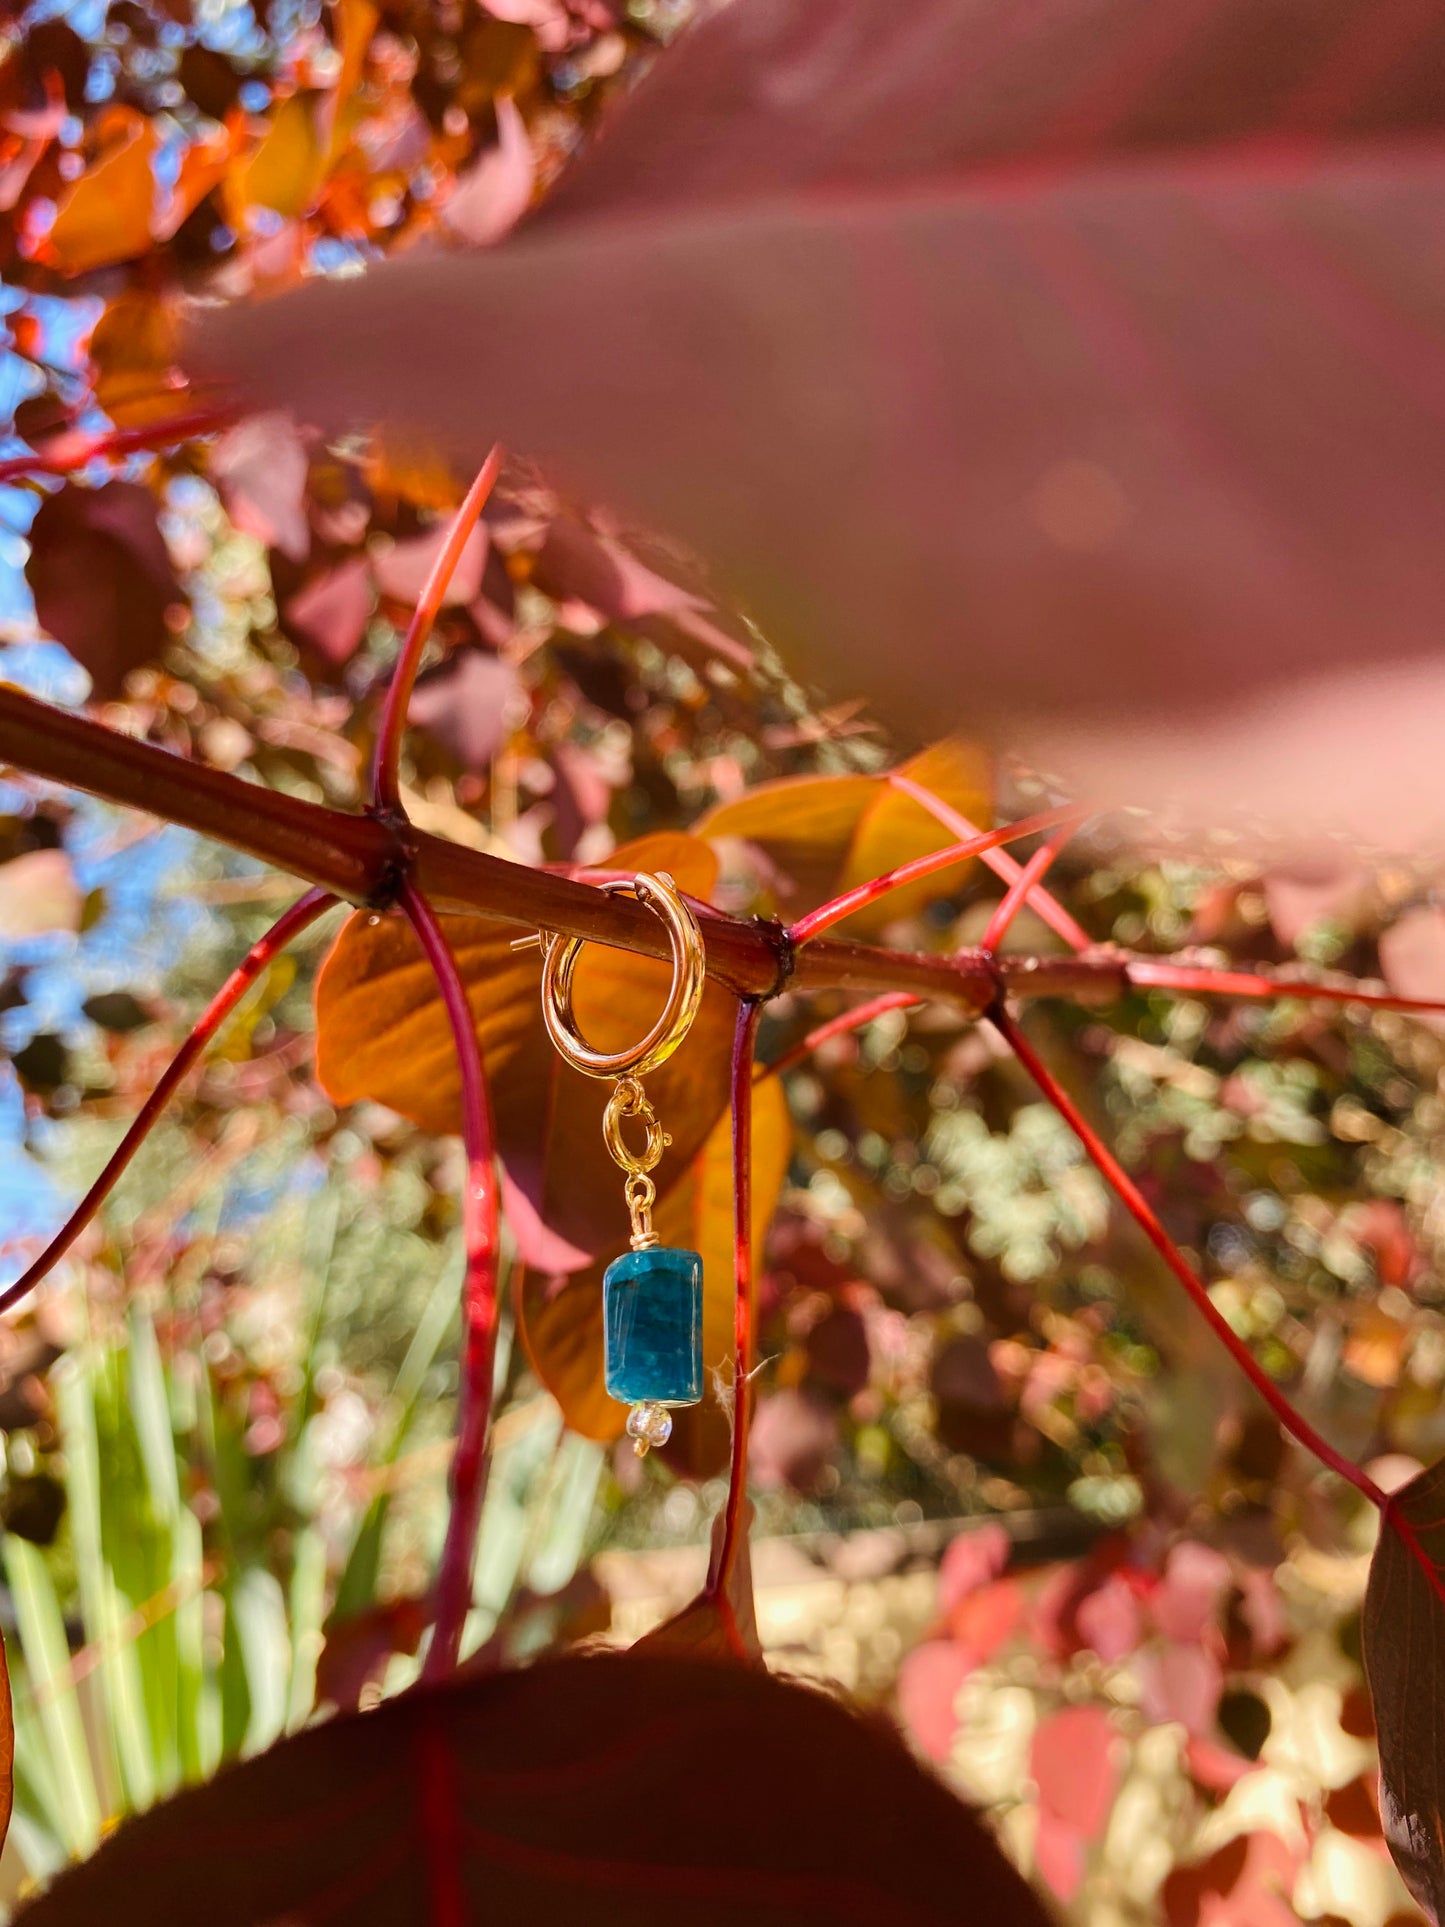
pixel 561 1316
pixel 382 1034
pixel 284 171
pixel 132 352
pixel 826 833
pixel 105 216
pixel 1404 1641
pixel 608 1789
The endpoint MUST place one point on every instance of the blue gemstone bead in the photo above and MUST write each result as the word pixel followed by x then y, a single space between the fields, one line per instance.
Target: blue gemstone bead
pixel 652 1312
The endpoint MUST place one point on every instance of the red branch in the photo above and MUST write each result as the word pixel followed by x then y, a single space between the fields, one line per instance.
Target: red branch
pixel 1041 902
pixel 385 780
pixel 479 1297
pixel 851 901
pixel 1022 888
pixel 735 1516
pixel 62 454
pixel 1133 1201
pixel 287 926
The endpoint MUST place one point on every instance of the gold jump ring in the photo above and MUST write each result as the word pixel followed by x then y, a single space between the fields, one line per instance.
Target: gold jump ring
pixel 689 961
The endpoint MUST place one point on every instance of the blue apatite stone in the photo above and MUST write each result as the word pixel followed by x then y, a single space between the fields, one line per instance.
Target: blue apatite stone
pixel 652 1310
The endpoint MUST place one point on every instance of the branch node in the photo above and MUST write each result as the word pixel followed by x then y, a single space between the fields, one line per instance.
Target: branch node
pixel 784 949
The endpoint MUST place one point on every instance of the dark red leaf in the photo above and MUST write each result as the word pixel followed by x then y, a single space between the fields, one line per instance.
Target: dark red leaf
pixel 102 580
pixel 1082 379
pixel 1403 1632
pixel 607 1790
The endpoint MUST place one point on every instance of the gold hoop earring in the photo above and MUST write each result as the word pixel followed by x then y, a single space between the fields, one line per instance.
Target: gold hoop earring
pixel 652 1295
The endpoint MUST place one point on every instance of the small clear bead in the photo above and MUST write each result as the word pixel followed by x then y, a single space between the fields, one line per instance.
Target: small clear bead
pixel 648 1425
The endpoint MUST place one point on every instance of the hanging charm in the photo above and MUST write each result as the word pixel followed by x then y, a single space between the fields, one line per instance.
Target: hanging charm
pixel 652 1295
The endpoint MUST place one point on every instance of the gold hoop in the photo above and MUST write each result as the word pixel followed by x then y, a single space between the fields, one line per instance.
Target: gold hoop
pixel 689 962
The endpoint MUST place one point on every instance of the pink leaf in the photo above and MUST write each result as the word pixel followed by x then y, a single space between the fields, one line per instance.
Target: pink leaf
pixel 332 612
pixel 38 894
pixel 1061 1855
pixel 928 1686
pixel 1180 1683
pixel 260 469
pixel 973 1559
pixel 1187 1600
pixel 1074 1763
pixel 494 193
pixel 403 569
pixel 467 706
pixel 1110 1619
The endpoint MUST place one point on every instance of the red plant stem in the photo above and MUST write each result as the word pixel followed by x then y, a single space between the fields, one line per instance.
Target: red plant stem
pixel 1134 1202
pixel 1041 902
pixel 1021 889
pixel 287 926
pixel 386 760
pixel 735 1516
pixel 1162 973
pixel 839 1026
pixel 69 450
pixel 851 901
pixel 479 1298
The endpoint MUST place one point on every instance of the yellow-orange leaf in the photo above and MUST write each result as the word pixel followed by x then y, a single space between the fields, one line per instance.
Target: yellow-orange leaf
pixel 285 170
pixel 382 1034
pixel 132 352
pixel 105 216
pixel 825 834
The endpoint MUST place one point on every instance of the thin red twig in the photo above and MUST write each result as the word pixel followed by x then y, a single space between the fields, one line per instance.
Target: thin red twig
pixel 1022 888
pixel 851 901
pixel 479 1297
pixel 1161 973
pixel 386 759
pixel 1133 1201
pixel 1041 901
pixel 62 454
pixel 265 949
pixel 839 1026
pixel 735 1516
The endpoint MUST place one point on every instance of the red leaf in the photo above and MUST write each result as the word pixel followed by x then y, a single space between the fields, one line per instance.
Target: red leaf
pixel 1403 1633
pixel 1186 1602
pixel 928 1686
pixel 332 612
pixel 102 580
pixel 1074 1764
pixel 604 1790
pixel 1093 367
pixel 467 705
pixel 1181 1683
pixel 260 468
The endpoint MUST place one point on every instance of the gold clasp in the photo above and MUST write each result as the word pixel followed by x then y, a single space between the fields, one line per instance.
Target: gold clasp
pixel 630 1100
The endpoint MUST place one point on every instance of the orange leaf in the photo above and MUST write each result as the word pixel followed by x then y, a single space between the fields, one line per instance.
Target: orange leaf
pixel 607 1789
pixel 560 1318
pixel 382 1034
pixel 827 833
pixel 285 169
pixel 716 1626
pixel 105 216
pixel 132 352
